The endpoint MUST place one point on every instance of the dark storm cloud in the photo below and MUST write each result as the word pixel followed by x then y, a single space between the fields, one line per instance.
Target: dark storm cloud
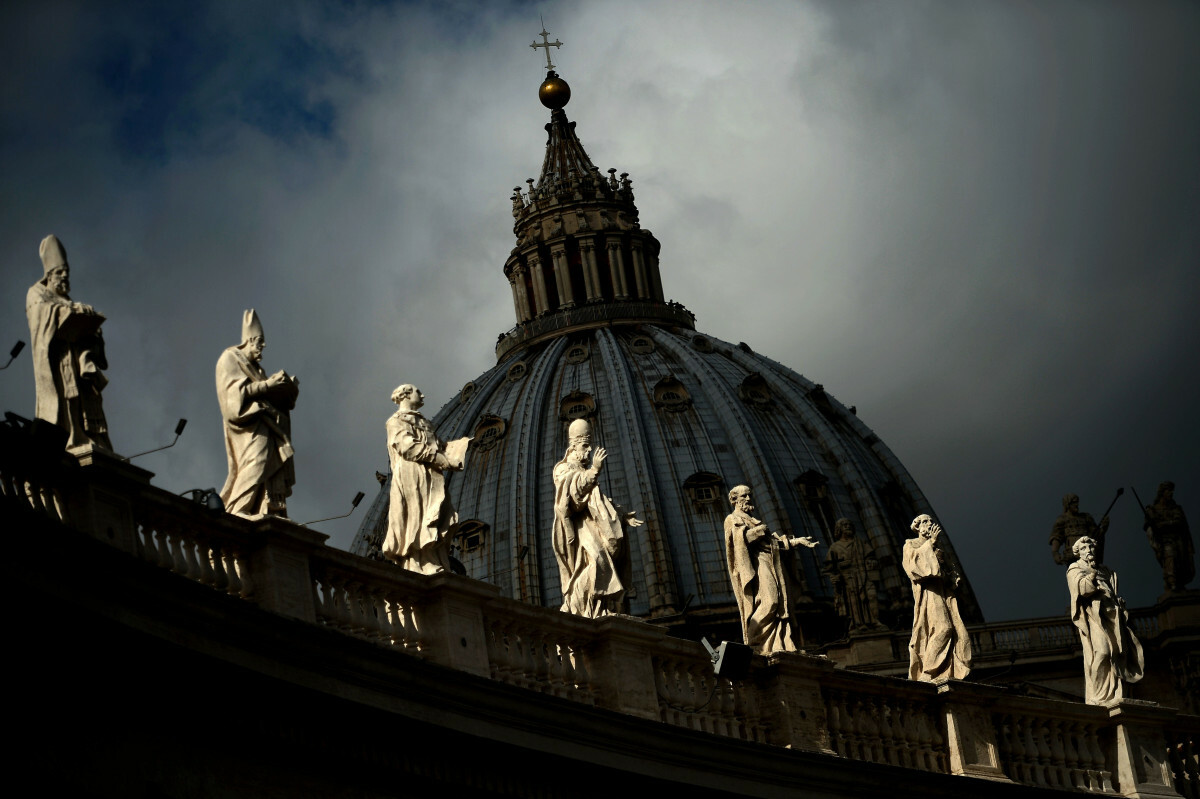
pixel 975 221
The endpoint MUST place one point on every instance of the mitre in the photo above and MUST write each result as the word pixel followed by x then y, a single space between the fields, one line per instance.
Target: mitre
pixel 53 254
pixel 579 432
pixel 251 326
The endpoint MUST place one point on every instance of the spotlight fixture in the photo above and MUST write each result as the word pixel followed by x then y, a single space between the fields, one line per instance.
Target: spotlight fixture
pixel 182 423
pixel 14 352
pixel 353 504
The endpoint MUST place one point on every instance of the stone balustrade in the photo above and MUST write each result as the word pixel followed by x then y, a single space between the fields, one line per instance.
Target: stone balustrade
pixel 618 663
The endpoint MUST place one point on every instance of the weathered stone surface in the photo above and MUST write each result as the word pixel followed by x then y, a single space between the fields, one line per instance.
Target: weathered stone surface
pixel 589 542
pixel 752 555
pixel 258 427
pixel 940 648
pixel 1112 654
pixel 421 517
pixel 68 353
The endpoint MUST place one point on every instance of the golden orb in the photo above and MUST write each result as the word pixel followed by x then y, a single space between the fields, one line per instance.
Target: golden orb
pixel 554 92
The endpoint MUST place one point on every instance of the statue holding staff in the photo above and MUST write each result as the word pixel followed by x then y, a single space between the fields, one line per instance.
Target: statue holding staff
pixel 1072 524
pixel 1167 528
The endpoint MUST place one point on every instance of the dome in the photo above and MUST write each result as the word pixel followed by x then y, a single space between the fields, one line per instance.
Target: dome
pixel 684 416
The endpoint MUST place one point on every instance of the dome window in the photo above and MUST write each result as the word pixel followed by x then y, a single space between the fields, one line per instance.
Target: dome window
pixel 489 432
pixel 641 345
pixel 576 405
pixel 517 371
pixel 467 392
pixel 577 354
pixel 754 390
pixel 471 535
pixel 670 395
pixel 704 490
pixel 701 344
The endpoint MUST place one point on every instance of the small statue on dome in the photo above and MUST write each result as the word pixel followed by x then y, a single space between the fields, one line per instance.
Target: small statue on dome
pixel 853 571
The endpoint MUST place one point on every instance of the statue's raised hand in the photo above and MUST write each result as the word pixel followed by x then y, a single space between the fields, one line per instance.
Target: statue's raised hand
pixel 598 458
pixel 631 519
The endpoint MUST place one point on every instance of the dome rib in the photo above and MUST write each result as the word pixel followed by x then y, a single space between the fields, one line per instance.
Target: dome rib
pixel 661 596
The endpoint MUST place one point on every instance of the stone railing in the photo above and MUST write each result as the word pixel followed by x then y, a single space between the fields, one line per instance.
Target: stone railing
pixel 616 663
pixel 592 315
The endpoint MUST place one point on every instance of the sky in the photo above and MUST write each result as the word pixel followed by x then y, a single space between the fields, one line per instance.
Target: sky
pixel 978 222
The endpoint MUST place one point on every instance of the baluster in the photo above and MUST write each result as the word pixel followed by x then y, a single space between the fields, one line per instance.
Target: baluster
pixel 355 615
pixel 886 734
pixel 139 544
pixel 720 708
pixel 31 494
pixel 855 739
pixel 925 738
pixel 178 564
pixel 164 551
pixel 325 600
pixel 204 560
pixel 834 711
pixel 911 754
pixel 245 578
pixel 216 565
pixel 1038 751
pixel 1104 772
pixel 1057 767
pixel 398 629
pixel 1071 758
pixel 191 569
pixel 660 690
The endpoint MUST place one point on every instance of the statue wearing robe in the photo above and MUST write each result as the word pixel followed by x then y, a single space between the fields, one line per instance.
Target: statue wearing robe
pixel 752 554
pixel 421 517
pixel 68 354
pixel 258 440
pixel 588 536
pixel 940 647
pixel 1112 654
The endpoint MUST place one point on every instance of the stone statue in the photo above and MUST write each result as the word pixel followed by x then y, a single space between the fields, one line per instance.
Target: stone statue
pixel 421 518
pixel 1169 534
pixel 940 647
pixel 68 353
pixel 1112 654
pixel 849 565
pixel 258 427
pixel 759 584
pixel 589 542
pixel 1072 525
